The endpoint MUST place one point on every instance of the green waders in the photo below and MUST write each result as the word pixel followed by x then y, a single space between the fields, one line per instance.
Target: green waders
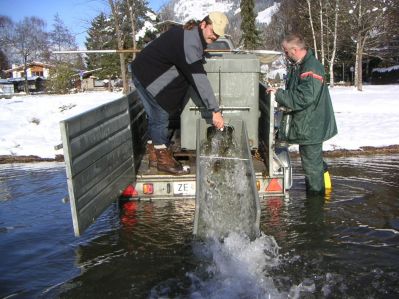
pixel 312 164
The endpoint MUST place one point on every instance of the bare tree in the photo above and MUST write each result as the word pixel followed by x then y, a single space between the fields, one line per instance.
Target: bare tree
pixel 321 19
pixel 28 40
pixel 334 46
pixel 6 27
pixel 340 30
pixel 367 25
pixel 284 21
pixel 166 11
pixel 326 34
pixel 312 27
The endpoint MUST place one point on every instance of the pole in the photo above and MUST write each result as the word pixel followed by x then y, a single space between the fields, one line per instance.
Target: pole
pixel 111 51
pixel 343 72
pixel 97 51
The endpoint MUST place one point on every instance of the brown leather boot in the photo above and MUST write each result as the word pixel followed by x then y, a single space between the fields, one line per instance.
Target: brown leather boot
pixel 166 162
pixel 152 156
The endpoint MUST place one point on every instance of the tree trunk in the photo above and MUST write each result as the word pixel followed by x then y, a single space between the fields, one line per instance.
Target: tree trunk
pixel 321 33
pixel 119 35
pixel 312 27
pixel 332 59
pixel 133 24
pixel 125 81
pixel 358 65
pixel 26 84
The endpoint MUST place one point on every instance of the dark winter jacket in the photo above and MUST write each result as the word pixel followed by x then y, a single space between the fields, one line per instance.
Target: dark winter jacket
pixel 306 94
pixel 170 64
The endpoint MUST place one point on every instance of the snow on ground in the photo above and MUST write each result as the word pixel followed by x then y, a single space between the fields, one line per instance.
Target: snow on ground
pixel 29 125
pixel 265 16
pixel 367 118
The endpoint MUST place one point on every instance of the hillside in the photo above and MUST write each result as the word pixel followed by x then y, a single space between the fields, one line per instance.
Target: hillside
pixel 189 9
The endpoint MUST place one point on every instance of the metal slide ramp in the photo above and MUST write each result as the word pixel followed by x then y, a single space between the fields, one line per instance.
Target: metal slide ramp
pixel 227 199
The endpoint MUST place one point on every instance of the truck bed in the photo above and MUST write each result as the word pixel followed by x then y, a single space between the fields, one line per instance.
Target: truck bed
pixel 104 154
pixel 161 185
pixel 189 158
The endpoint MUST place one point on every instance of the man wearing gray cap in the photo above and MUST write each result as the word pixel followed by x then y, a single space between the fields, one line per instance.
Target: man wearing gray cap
pixel 162 74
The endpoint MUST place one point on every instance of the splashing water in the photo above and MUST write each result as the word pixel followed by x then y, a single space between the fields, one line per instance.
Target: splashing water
pixel 234 259
pixel 236 268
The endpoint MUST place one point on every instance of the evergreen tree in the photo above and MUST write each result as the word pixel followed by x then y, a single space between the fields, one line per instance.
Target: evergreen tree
pixel 61 78
pixel 6 26
pixel 141 14
pixel 4 64
pixel 250 34
pixel 102 36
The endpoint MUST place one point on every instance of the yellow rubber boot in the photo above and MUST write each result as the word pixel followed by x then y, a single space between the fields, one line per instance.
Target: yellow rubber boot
pixel 327 186
pixel 327 180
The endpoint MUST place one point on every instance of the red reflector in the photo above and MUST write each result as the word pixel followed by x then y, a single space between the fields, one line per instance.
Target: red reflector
pixel 129 192
pixel 130 206
pixel 148 188
pixel 274 185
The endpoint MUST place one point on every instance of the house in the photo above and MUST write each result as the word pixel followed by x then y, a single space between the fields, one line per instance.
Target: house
pixel 35 69
pixel 388 73
pixel 37 74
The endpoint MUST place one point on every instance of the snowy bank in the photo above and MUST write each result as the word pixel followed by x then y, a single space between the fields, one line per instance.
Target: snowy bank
pixel 366 118
pixel 29 125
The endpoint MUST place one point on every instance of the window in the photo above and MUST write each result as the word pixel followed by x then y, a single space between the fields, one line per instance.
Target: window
pixel 37 73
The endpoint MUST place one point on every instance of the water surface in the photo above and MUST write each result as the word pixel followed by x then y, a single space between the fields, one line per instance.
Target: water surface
pixel 343 246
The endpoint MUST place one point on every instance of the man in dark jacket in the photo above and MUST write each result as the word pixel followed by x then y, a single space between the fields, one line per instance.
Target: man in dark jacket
pixel 311 116
pixel 162 74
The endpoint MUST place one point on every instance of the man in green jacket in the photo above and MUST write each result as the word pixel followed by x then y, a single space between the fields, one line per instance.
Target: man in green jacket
pixel 311 115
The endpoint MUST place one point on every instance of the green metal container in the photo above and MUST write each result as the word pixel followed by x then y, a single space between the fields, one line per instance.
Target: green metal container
pixel 235 81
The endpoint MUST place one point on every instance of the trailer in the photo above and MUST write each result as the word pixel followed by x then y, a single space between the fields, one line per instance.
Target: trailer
pixel 104 148
pixel 6 89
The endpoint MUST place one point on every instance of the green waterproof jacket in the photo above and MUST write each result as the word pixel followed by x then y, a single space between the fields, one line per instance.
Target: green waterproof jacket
pixel 306 94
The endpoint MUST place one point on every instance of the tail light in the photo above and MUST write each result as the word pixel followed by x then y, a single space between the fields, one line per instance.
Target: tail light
pixel 148 188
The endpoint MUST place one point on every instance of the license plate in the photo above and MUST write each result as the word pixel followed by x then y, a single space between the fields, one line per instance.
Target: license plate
pixel 184 188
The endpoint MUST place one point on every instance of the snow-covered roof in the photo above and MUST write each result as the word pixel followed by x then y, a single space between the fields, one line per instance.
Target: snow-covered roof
pixel 5 81
pixel 386 69
pixel 33 63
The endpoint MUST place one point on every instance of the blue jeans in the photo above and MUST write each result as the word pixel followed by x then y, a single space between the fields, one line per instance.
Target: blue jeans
pixel 158 118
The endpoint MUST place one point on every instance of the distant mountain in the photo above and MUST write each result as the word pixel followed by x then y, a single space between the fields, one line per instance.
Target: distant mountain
pixel 197 9
pixel 185 10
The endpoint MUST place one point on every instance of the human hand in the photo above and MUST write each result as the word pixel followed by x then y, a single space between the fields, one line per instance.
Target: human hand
pixel 271 90
pixel 218 120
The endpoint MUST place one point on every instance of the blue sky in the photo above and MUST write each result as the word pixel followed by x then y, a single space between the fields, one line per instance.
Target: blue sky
pixel 76 14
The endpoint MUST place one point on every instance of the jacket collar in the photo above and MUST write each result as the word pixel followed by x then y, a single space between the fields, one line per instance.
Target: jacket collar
pixel 309 52
pixel 203 42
